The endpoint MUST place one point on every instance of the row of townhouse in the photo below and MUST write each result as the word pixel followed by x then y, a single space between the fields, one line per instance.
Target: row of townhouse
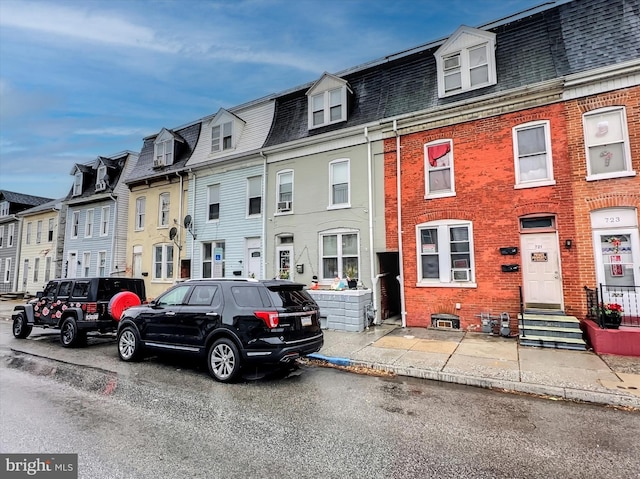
pixel 492 168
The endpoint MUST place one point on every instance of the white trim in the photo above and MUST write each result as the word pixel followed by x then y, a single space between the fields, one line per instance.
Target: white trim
pixel 286 209
pixel 439 193
pixel 105 213
pixel 347 204
pixel 89 226
pixel 549 180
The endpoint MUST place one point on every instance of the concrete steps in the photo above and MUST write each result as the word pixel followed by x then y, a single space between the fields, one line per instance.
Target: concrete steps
pixel 556 331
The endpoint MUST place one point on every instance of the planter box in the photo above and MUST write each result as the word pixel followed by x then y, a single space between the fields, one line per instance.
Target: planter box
pixel 343 310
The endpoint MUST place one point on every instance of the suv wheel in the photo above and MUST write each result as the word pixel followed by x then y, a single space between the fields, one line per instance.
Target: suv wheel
pixel 69 336
pixel 223 360
pixel 128 344
pixel 20 327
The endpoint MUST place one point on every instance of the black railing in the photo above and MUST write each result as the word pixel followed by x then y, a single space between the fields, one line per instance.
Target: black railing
pixel 521 310
pixel 627 297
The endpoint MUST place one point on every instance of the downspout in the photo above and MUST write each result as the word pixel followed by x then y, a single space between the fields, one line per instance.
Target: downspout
pixel 17 233
pixel 193 215
pixel 263 245
pixel 399 206
pixel 113 236
pixel 179 268
pixel 374 277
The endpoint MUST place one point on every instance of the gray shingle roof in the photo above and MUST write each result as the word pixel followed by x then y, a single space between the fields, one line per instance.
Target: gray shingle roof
pixel 115 166
pixel 144 169
pixel 22 200
pixel 550 43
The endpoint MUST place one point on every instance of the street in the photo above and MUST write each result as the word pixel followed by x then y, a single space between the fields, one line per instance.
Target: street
pixel 165 417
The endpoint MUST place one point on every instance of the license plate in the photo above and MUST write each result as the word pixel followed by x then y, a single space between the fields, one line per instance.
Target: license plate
pixel 305 321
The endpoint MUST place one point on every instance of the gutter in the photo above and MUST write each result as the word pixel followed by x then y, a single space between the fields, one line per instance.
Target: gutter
pixel 399 206
pixel 374 277
pixel 263 246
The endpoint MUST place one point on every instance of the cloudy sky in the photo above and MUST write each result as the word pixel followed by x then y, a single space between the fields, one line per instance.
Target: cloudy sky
pixel 84 78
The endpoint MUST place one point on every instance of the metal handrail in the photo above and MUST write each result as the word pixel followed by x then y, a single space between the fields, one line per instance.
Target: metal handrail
pixel 522 311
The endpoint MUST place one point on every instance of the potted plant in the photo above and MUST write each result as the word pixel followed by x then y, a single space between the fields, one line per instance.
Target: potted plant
pixel 284 274
pixel 352 276
pixel 612 315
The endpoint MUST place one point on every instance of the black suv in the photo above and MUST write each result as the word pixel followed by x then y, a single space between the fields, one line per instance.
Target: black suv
pixel 231 322
pixel 77 306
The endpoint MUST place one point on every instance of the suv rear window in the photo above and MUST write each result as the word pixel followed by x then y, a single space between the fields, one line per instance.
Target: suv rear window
pixel 250 296
pixel 109 287
pixel 288 297
pixel 81 289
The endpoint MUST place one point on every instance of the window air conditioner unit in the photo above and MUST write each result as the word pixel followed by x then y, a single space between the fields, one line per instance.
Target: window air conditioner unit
pixel 284 206
pixel 101 186
pixel 158 162
pixel 461 274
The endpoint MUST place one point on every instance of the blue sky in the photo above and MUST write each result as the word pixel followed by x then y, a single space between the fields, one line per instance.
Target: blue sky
pixel 80 79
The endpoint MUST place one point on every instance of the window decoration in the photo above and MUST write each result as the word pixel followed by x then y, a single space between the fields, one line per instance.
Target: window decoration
pixel 607 143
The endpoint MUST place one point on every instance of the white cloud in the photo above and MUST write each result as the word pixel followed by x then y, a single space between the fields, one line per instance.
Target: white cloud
pixel 111 131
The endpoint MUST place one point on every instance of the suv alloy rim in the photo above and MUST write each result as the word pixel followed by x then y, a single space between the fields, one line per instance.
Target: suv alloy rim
pixel 17 326
pixel 127 344
pixel 68 332
pixel 223 360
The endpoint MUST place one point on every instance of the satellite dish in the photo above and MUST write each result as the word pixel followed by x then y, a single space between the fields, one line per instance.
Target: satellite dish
pixel 187 221
pixel 172 233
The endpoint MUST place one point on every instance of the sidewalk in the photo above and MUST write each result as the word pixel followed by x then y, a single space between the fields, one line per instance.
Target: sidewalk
pixel 478 359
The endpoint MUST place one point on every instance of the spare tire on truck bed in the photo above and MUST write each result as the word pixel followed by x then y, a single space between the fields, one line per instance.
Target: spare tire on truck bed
pixel 122 301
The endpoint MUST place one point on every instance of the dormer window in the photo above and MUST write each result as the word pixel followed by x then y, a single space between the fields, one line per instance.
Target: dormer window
pixel 77 183
pixel 466 61
pixel 164 153
pixel 101 183
pixel 4 208
pixel 222 137
pixel 327 101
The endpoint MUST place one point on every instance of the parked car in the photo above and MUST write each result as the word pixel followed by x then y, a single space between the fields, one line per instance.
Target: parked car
pixel 230 322
pixel 77 306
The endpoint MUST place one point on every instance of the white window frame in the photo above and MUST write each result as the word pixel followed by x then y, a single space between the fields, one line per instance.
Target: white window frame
pixel 163 262
pixel 39 232
pixel 86 264
pixel 28 233
pixel 339 256
pixel 213 198
pixel 1 236
pixel 517 156
pixel 445 265
pixel 459 45
pixel 77 183
pixel 7 270
pixel 163 152
pixel 284 205
pixel 332 165
pixel 100 174
pixel 50 230
pixel 75 224
pixel 36 269
pixel 254 180
pixel 47 269
pixel 105 212
pixel 164 208
pixel 11 230
pixel 204 260
pixel 4 208
pixel 325 101
pixel 220 132
pixel 88 223
pixel 102 263
pixel 431 169
pixel 627 171
pixel 141 205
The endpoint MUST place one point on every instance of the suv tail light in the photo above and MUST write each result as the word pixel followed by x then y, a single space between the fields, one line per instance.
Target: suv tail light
pixel 270 318
pixel 92 307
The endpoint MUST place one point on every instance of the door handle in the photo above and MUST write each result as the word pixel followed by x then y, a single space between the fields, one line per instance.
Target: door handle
pixel 170 313
pixel 211 314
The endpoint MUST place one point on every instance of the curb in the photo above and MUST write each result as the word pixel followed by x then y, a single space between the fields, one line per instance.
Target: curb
pixel 558 392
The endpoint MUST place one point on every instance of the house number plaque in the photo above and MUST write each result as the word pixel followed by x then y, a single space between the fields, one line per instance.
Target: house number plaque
pixel 539 257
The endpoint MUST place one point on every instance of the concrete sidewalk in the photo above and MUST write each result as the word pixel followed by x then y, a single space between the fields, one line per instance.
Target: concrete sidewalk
pixel 477 359
pixel 494 362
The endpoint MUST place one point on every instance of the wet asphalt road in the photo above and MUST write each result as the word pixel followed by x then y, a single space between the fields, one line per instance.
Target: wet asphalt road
pixel 166 418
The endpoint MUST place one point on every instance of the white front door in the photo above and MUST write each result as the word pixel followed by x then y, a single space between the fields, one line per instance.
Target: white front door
pixel 284 256
pixel 541 271
pixel 255 262
pixel 617 255
pixel 72 265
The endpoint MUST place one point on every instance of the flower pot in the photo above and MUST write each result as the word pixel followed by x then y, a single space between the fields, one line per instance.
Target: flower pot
pixel 352 283
pixel 612 321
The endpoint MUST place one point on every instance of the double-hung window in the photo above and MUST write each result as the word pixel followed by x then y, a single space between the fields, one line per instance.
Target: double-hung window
pixel 140 209
pixel 163 210
pixel 163 262
pixel 39 232
pixel 4 208
pixel 213 259
pixel 36 268
pixel 340 253
pixel 1 236
pixel 164 153
pixel 532 153
pixel 607 143
pixel 75 224
pixel 104 220
pixel 10 232
pixel 28 236
pixel 254 195
pixel 445 253
pixel 102 263
pixel 47 269
pixel 213 194
pixel 86 263
pixel 222 137
pixel 88 224
pixel 77 184
pixel 50 232
pixel 284 194
pixel 438 165
pixel 339 178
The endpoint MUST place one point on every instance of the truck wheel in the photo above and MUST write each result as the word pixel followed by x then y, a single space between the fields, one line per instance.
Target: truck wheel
pixel 20 327
pixel 128 344
pixel 69 336
pixel 224 360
